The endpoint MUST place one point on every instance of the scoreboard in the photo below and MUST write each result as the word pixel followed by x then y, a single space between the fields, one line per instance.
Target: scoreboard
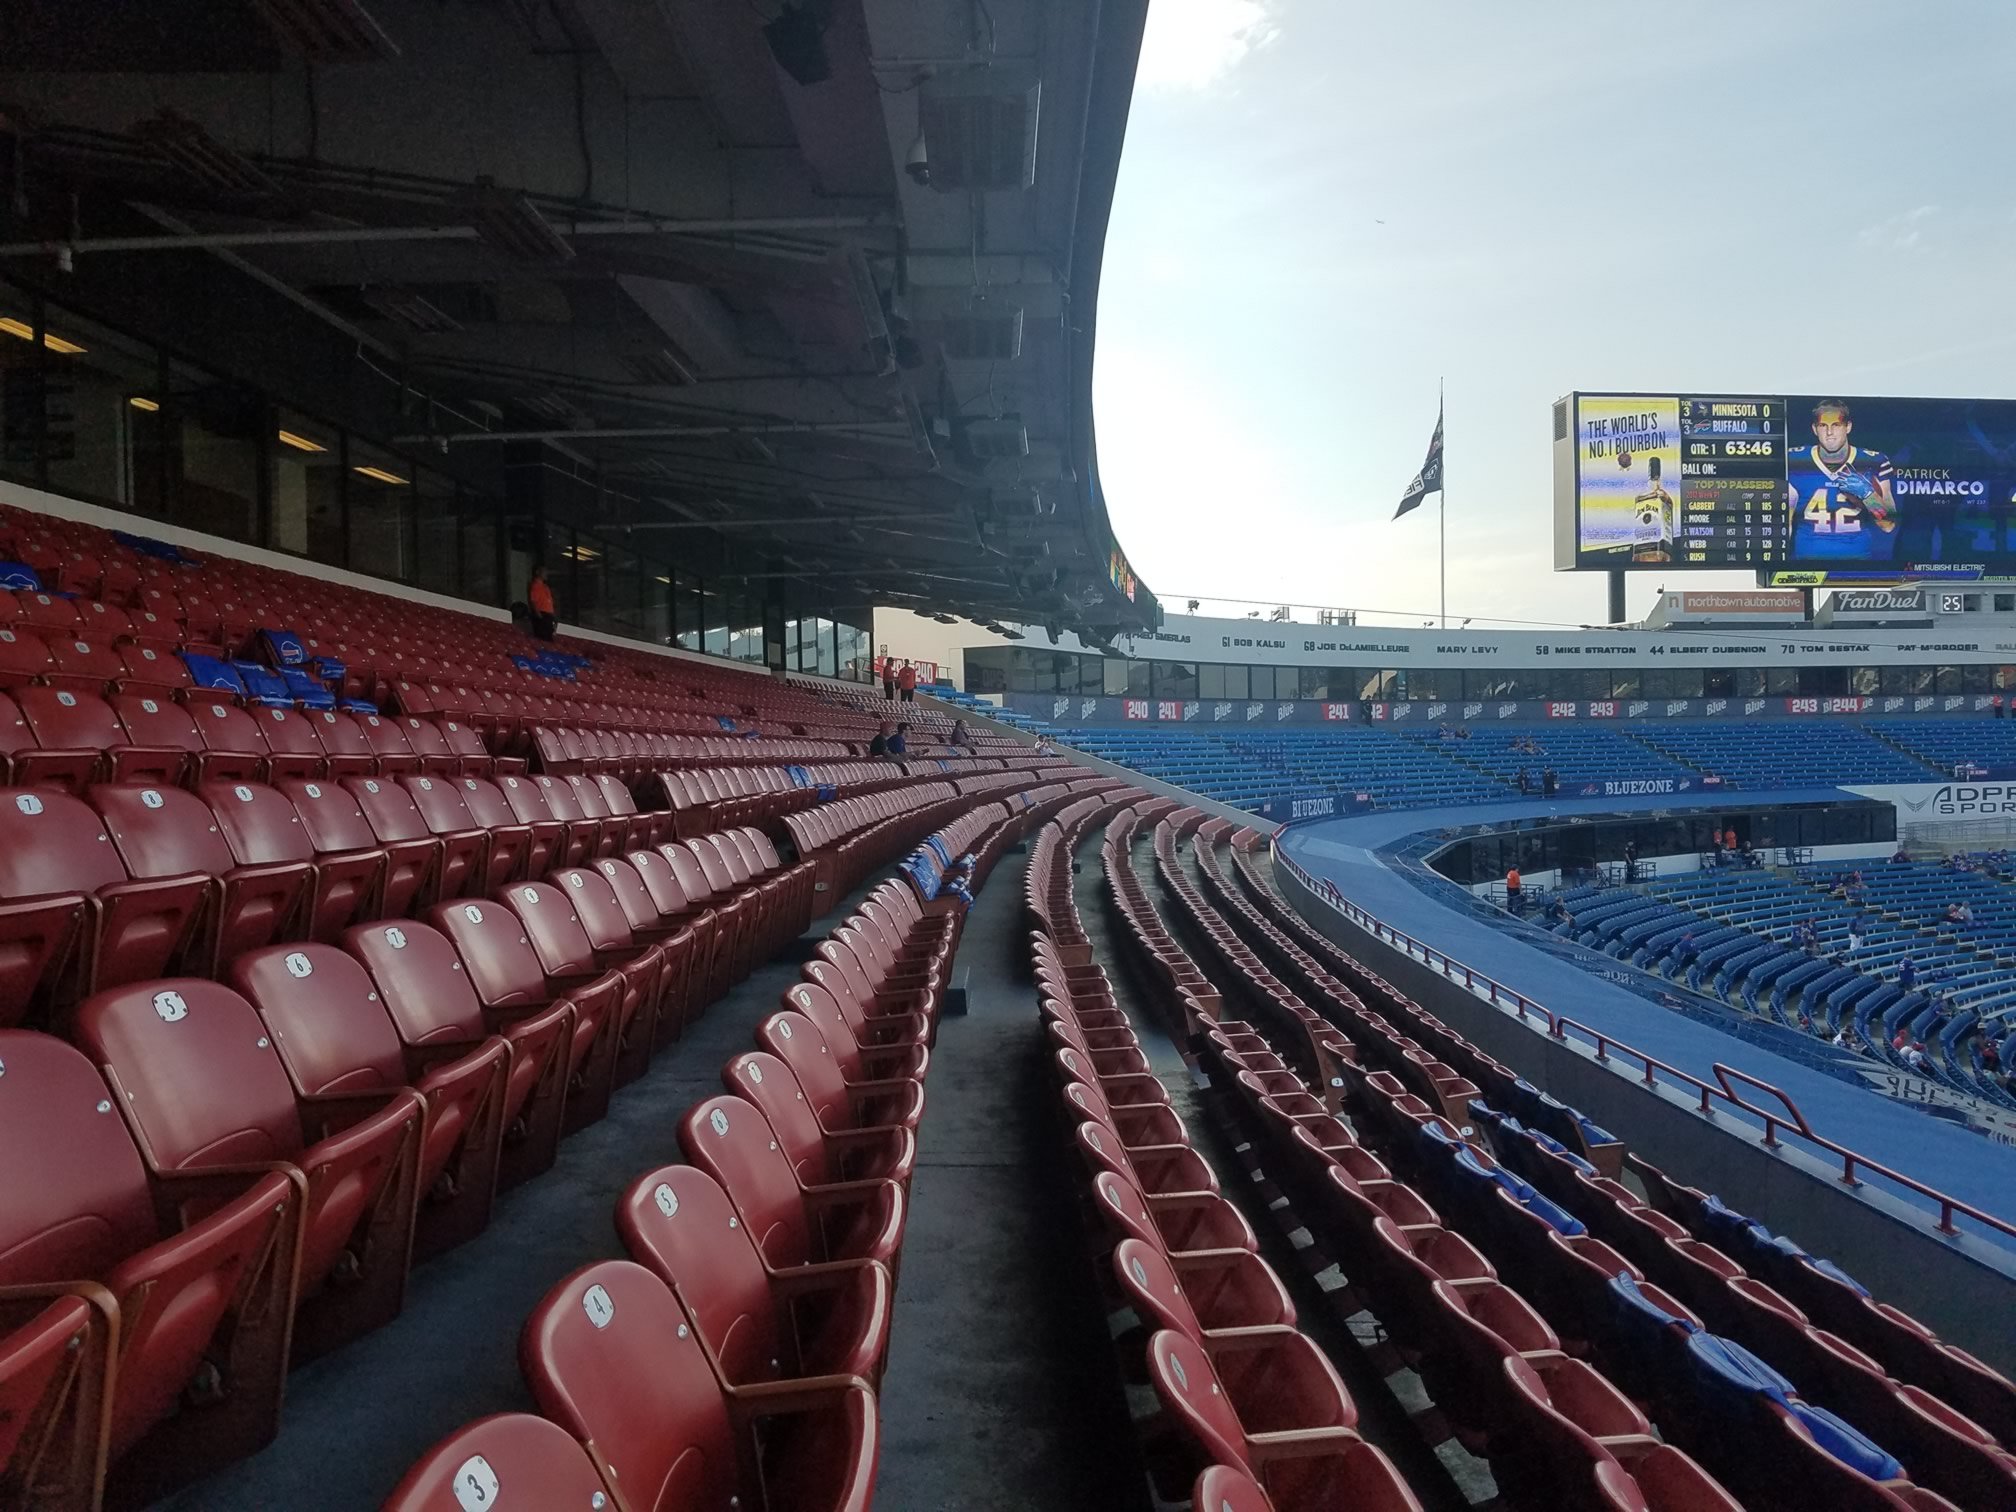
pixel 1798 489
pixel 1732 506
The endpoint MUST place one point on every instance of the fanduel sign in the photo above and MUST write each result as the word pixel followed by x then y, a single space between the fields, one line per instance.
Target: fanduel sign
pixel 1881 601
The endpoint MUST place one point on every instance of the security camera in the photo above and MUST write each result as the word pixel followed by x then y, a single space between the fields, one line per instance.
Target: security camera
pixel 918 163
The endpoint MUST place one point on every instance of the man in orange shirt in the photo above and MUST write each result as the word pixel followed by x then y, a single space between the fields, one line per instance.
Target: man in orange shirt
pixel 906 683
pixel 539 597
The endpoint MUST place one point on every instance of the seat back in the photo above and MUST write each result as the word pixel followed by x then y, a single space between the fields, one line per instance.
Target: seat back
pixel 495 952
pixel 386 739
pixel 610 1358
pixel 560 799
pixel 162 832
pixel 485 802
pixel 732 1142
pixel 1149 1283
pixel 527 800
pixel 332 1031
pixel 81 1205
pixel 1195 1400
pixel 65 720
pixel 426 741
pixel 712 867
pixel 331 816
pixel 291 734
pixel 600 912
pixel 768 1083
pixel 341 735
pixel 441 804
pixel 258 822
pixel 677 1222
pixel 53 843
pixel 547 916
pixel 687 873
pixel 655 872
pixel 151 720
pixel 388 807
pixel 795 1040
pixel 197 1071
pixel 421 980
pixel 223 726
pixel 511 1459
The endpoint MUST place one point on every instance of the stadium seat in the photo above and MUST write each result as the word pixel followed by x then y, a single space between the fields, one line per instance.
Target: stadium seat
pixel 755 1323
pixel 56 1347
pixel 194 1295
pixel 510 841
pixel 340 834
pixel 610 1358
pixel 336 1038
pixel 427 991
pixel 450 865
pixel 511 1459
pixel 578 960
pixel 166 832
pixel 819 1156
pixel 465 843
pixel 72 919
pixel 203 1087
pixel 792 1225
pixel 837 1102
pixel 510 982
pixel 264 827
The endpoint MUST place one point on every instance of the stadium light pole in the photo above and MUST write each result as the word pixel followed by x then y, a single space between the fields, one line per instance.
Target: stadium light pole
pixel 1442 503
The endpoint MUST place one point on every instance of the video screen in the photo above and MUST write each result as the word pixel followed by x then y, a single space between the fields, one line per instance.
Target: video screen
pixel 1805 488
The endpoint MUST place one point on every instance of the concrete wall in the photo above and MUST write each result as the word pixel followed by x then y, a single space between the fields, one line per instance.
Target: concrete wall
pixel 1964 1288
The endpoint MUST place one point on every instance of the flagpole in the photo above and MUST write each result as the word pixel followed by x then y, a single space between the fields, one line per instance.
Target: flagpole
pixel 1442 505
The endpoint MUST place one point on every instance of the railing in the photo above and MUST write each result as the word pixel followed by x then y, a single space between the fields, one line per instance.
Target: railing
pixel 1719 1094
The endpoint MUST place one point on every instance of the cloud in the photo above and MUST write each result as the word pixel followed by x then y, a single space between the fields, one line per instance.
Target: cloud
pixel 1191 44
pixel 1896 232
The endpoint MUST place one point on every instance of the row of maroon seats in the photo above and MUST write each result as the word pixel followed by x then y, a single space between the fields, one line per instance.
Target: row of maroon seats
pixel 1908 1350
pixel 1560 1263
pixel 55 736
pixel 1556 1433
pixel 733 1359
pixel 1251 1400
pixel 423 1063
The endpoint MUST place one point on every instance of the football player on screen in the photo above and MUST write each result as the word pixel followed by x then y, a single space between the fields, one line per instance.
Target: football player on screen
pixel 1839 493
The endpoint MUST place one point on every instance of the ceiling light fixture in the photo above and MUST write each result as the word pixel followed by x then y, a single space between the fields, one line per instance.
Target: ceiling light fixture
pixel 379 475
pixel 26 332
pixel 142 402
pixel 302 443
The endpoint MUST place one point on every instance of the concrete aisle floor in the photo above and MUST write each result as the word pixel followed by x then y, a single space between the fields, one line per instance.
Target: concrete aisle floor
pixel 355 1420
pixel 999 1394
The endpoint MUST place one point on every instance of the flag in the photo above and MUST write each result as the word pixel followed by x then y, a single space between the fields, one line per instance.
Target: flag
pixel 1429 479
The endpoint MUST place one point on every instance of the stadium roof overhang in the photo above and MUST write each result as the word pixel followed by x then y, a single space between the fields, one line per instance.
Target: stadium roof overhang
pixel 800 290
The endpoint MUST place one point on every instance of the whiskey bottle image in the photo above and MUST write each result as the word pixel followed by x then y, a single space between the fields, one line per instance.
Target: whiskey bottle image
pixel 1652 534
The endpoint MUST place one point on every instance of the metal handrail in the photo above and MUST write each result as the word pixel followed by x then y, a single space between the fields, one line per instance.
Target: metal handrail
pixel 1718 1093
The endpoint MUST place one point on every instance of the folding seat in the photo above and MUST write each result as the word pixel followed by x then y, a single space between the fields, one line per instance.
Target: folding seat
pixel 756 1324
pixel 56 1347
pixel 40 610
pixel 102 622
pixel 550 834
pixel 429 746
pixel 203 1087
pixel 429 996
pixel 465 844
pixel 1582 1447
pixel 72 918
pixel 293 749
pixel 611 1358
pixel 578 930
pixel 199 1301
pixel 729 919
pixel 819 1156
pixel 510 1459
pixel 336 1038
pixel 389 746
pixel 264 827
pixel 510 981
pixel 14 737
pixel 839 1102
pixel 232 741
pixel 397 823
pixel 153 721
pixel 1139 1127
pixel 466 746
pixel 169 833
pixel 1294 1432
pixel 79 738
pixel 652 828
pixel 611 830
pixel 1122 1090
pixel 1180 1223
pixel 791 1224
pixel 510 841
pixel 345 751
pixel 582 835
pixel 82 666
pixel 898 1044
pixel 162 632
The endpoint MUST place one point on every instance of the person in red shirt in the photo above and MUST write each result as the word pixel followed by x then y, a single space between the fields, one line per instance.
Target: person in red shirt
pixel 539 597
pixel 906 683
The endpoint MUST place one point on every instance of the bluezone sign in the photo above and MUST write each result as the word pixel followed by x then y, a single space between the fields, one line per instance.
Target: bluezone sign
pixel 1289 810
pixel 1642 787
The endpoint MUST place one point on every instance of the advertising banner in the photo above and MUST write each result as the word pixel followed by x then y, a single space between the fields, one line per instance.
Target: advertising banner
pixel 1087 710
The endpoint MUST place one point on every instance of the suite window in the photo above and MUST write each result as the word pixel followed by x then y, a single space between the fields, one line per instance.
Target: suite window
pixel 1175 680
pixel 1260 682
pixel 1211 680
pixel 1236 683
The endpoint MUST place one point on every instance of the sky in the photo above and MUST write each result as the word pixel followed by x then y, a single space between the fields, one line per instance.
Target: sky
pixel 1326 206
